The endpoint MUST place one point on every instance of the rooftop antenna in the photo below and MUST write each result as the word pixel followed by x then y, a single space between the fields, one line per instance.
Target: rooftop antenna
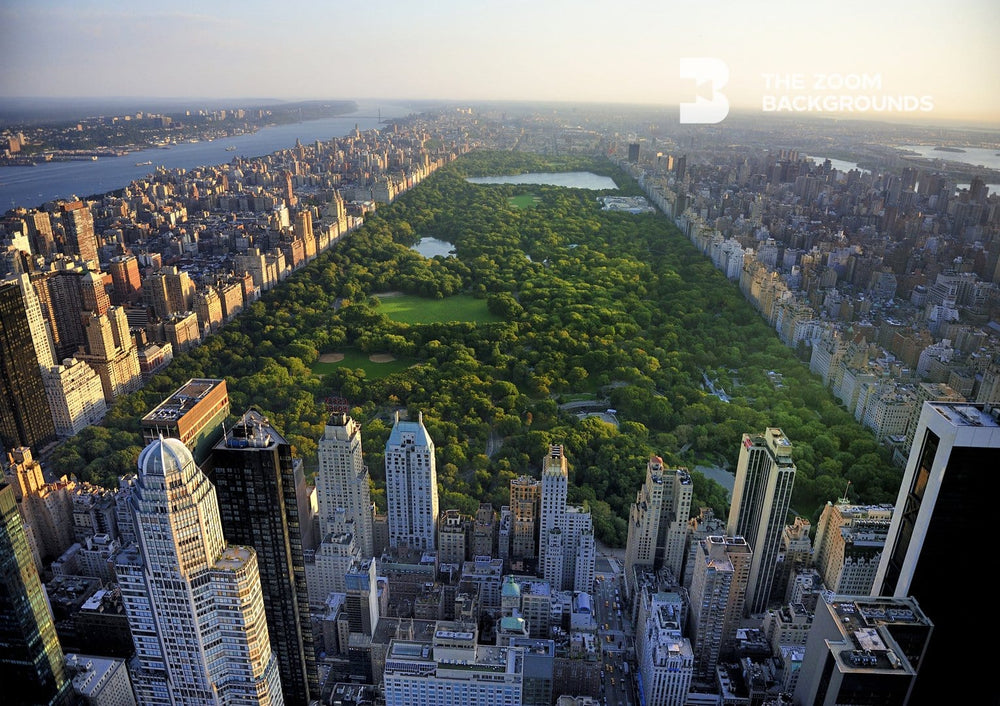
pixel 845 498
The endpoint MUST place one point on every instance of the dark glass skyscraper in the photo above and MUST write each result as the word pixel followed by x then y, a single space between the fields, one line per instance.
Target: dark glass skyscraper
pixel 951 481
pixel 254 475
pixel 31 661
pixel 25 419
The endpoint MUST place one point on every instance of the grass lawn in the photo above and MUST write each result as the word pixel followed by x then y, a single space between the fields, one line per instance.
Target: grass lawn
pixel 409 309
pixel 524 201
pixel 354 358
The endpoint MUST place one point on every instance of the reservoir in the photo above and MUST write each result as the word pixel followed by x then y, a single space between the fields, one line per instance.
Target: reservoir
pixel 576 180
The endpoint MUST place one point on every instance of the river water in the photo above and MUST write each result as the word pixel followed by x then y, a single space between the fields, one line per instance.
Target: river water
pixel 30 187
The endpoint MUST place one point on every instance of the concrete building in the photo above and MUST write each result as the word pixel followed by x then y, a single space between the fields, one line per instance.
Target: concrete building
pixel 525 507
pixel 453 670
pixel 849 543
pixel 666 658
pixel 100 681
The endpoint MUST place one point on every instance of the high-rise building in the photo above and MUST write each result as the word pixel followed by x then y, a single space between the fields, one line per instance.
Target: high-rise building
pixel 566 547
pixel 126 279
pixel 658 521
pixel 551 539
pixel 75 395
pixel 25 419
pixel 758 510
pixel 849 544
pixel 31 660
pixel 525 507
pixel 255 483
pixel 866 650
pixel 342 481
pixel 949 478
pixel 666 660
pixel 193 602
pixel 112 352
pixel 193 413
pixel 78 222
pixel 411 486
pixel 718 592
pixel 40 334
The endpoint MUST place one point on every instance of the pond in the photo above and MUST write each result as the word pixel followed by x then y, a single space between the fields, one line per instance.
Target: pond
pixel 430 247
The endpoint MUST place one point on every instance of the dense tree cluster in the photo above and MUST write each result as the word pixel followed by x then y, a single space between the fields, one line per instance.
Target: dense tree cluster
pixel 614 306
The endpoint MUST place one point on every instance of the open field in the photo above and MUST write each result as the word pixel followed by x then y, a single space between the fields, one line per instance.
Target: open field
pixel 410 309
pixel 524 201
pixel 376 365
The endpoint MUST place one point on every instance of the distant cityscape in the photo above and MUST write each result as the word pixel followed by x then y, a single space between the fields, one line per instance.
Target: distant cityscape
pixel 220 572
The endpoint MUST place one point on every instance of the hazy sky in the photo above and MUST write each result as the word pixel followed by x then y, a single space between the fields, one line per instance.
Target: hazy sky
pixel 943 53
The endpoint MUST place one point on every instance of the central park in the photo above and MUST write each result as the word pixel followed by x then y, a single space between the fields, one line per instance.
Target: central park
pixel 547 299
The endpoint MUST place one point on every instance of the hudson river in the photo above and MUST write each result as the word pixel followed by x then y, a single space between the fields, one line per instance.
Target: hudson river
pixel 30 187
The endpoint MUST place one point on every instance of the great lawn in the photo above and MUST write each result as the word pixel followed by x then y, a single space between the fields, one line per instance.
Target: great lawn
pixel 409 309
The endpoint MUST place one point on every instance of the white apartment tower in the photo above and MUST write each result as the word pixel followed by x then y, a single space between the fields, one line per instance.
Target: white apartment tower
pixel 758 511
pixel 342 481
pixel 566 548
pixel 411 485
pixel 194 604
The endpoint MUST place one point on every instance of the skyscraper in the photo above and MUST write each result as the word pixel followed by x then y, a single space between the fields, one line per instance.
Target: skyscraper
pixel 194 603
pixel 759 508
pixel 525 501
pixel 718 590
pixel 950 478
pixel 657 528
pixel 551 539
pixel 31 661
pixel 566 546
pixel 25 419
pixel 411 485
pixel 78 223
pixel 342 480
pixel 254 476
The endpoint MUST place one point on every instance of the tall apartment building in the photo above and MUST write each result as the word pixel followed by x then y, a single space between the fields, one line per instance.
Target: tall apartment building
pixel 25 419
pixel 126 280
pixel 566 547
pixel 949 478
pixel 758 510
pixel 411 485
pixel 78 223
pixel 658 521
pixel 193 602
pixel 31 660
pixel 111 351
pixel 525 508
pixel 718 592
pixel 255 483
pixel 75 395
pixel 342 481
pixel 849 543
pixel 666 659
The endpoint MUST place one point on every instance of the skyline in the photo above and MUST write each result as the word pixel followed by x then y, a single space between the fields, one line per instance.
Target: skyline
pixel 555 51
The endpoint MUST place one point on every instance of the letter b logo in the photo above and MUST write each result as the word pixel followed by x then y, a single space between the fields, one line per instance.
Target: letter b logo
pixel 705 110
